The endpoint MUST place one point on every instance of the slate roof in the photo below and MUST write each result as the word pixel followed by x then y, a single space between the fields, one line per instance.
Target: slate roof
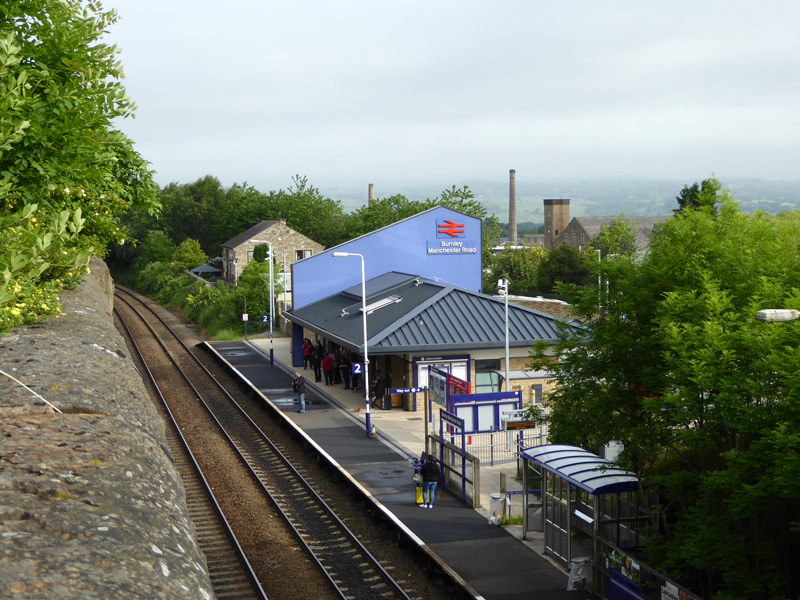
pixel 249 234
pixel 429 317
pixel 644 226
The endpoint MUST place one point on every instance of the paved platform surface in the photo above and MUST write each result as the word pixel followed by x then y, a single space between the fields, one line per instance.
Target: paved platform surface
pixel 491 559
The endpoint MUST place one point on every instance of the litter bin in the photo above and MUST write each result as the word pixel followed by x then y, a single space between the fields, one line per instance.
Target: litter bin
pixel 497 505
pixel 578 569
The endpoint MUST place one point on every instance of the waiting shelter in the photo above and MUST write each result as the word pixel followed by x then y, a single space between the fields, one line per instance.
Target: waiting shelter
pixel 588 507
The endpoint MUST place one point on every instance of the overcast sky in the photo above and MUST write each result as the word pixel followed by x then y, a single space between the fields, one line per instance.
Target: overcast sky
pixel 412 93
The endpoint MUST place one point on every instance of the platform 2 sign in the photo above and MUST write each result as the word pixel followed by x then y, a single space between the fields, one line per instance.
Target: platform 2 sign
pixel 357 368
pixel 265 318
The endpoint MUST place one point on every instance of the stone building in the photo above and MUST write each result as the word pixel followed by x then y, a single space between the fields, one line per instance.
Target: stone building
pixel 578 232
pixel 581 230
pixel 289 247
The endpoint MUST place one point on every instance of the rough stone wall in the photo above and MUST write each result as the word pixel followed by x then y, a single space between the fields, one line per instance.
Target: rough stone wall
pixel 90 503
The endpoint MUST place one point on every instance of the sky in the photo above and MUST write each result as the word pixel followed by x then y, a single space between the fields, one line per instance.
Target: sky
pixel 411 93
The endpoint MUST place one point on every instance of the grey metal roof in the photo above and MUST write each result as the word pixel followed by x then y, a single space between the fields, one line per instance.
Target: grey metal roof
pixel 377 284
pixel 583 469
pixel 249 234
pixel 430 317
pixel 643 226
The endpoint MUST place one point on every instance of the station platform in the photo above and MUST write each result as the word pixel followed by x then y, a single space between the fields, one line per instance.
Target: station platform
pixel 492 560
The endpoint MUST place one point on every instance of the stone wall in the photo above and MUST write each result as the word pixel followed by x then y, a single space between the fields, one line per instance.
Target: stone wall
pixel 90 503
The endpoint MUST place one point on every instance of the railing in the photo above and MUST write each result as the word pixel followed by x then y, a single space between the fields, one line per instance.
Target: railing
pixel 499 447
pixel 452 469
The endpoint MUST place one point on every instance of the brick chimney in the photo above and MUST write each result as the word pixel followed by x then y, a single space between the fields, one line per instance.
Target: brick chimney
pixel 512 207
pixel 371 196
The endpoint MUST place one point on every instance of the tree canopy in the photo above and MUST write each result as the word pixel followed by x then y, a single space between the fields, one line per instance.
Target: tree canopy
pixel 703 396
pixel 65 171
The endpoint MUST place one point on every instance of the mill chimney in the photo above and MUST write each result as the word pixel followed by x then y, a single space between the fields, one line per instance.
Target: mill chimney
pixel 512 207
pixel 371 196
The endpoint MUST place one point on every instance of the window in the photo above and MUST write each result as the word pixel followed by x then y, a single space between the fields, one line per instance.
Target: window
pixel 301 254
pixel 487 380
pixel 565 236
pixel 583 238
pixel 574 238
pixel 250 256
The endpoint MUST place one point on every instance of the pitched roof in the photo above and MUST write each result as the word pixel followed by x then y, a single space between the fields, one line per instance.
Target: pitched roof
pixel 249 234
pixel 643 225
pixel 422 315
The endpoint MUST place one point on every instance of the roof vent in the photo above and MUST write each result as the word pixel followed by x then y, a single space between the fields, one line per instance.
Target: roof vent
pixel 344 313
pixel 371 308
pixel 417 282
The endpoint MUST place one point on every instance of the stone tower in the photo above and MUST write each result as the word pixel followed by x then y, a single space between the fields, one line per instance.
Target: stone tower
pixel 556 219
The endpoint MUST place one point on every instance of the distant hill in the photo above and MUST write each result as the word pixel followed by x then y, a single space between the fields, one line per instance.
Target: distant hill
pixel 589 198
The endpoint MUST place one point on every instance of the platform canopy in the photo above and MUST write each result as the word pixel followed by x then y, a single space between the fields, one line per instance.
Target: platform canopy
pixel 583 469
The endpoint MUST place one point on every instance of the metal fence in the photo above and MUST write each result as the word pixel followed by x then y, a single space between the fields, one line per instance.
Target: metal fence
pixel 498 447
pixel 453 468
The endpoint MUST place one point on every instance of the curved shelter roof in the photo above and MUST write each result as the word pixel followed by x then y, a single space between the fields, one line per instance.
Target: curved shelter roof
pixel 583 469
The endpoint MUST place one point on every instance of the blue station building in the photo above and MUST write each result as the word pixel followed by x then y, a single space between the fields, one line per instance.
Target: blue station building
pixel 425 305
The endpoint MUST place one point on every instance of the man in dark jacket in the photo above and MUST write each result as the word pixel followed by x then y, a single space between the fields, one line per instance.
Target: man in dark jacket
pixel 378 389
pixel 299 386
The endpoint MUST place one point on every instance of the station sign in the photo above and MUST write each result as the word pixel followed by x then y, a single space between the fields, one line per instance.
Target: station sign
pixel 411 390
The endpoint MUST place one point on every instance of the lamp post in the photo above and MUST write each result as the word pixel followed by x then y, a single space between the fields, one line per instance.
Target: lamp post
pixel 284 292
pixel 271 298
pixel 364 319
pixel 503 285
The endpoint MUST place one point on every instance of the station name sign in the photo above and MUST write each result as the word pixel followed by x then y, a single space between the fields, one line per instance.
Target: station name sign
pixel 452 247
pixel 451 239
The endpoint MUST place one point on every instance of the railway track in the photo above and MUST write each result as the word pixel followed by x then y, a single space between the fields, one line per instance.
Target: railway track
pixel 345 562
pixel 232 577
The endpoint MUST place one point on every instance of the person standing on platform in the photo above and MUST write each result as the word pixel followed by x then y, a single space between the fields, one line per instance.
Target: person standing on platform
pixel 378 389
pixel 307 350
pixel 337 363
pixel 346 370
pixel 299 386
pixel 327 368
pixel 316 358
pixel 430 477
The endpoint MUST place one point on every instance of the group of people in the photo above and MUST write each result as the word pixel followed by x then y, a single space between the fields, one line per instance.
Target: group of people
pixel 336 365
pixel 337 368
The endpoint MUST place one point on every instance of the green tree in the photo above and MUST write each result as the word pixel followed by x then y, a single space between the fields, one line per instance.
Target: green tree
pixel 65 172
pixel 189 255
pixel 702 196
pixel 519 266
pixel 704 397
pixel 617 237
pixel 190 210
pixel 156 247
pixel 564 264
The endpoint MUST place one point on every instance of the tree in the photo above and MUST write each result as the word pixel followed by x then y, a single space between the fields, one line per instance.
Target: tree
pixel 696 197
pixel 519 266
pixel 704 398
pixel 65 172
pixel 189 255
pixel 156 247
pixel 564 264
pixel 190 211
pixel 617 237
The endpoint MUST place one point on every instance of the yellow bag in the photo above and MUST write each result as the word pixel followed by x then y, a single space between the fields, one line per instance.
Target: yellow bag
pixel 419 495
